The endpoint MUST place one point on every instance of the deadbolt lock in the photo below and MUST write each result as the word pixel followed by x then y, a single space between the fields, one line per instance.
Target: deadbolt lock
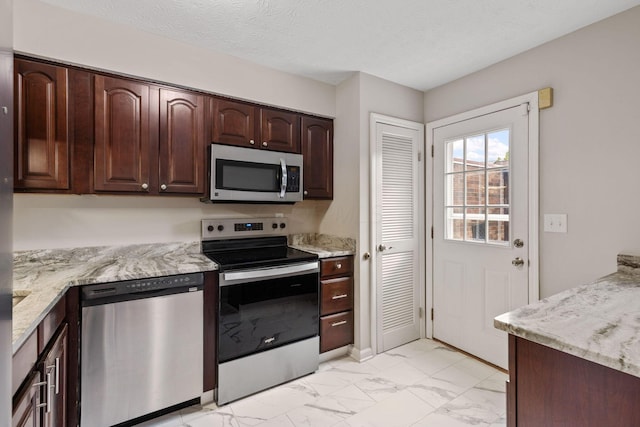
pixel 518 243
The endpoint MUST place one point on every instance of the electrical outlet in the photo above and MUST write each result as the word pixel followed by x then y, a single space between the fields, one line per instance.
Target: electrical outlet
pixel 555 223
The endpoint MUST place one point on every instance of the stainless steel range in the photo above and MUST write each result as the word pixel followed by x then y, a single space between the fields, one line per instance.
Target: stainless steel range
pixel 268 320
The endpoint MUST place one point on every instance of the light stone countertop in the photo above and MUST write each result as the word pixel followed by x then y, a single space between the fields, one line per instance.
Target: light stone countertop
pixel 44 275
pixel 599 322
pixel 324 245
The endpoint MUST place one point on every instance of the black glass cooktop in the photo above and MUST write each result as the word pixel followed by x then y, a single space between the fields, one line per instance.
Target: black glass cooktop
pixel 253 253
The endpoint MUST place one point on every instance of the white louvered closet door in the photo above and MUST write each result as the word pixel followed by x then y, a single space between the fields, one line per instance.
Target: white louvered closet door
pixel 398 233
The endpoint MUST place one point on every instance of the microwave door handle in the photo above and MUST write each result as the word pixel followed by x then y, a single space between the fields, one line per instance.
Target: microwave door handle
pixel 283 179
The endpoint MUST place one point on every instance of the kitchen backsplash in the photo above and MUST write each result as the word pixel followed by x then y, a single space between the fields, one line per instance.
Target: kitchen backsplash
pixel 67 221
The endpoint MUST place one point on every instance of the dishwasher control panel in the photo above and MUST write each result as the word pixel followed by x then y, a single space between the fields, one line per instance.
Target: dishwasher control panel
pixel 150 284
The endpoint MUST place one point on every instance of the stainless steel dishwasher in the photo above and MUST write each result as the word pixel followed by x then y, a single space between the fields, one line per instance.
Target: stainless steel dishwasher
pixel 141 348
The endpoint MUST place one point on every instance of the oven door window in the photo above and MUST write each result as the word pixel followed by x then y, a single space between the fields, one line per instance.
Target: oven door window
pixel 247 176
pixel 258 316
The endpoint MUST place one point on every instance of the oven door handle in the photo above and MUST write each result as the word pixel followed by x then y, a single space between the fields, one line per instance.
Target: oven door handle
pixel 268 273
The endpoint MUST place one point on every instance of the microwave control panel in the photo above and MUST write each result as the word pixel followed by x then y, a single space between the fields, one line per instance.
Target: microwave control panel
pixel 293 179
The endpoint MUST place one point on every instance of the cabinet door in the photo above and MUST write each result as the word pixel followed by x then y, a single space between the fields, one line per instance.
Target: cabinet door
pixel 54 370
pixel 122 135
pixel 182 142
pixel 280 131
pixel 317 150
pixel 25 406
pixel 41 138
pixel 234 123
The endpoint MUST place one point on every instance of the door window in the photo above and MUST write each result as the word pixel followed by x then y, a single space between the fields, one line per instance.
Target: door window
pixel 477 188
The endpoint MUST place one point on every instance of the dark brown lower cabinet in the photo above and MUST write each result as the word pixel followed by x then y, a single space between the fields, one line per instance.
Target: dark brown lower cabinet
pixel 54 373
pixel 551 388
pixel 41 400
pixel 336 302
pixel 25 403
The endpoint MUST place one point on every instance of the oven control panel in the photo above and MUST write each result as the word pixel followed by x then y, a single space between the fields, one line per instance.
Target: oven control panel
pixel 229 228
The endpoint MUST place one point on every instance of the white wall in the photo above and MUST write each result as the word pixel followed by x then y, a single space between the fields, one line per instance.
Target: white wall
pixel 65 221
pixel 43 221
pixel 349 215
pixel 52 32
pixel 589 140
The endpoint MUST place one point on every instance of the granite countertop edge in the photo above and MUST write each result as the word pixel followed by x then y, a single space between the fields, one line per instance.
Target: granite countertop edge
pixel 323 245
pixel 591 321
pixel 45 275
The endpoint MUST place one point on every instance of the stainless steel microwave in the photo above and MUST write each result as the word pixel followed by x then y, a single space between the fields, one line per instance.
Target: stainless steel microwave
pixel 240 174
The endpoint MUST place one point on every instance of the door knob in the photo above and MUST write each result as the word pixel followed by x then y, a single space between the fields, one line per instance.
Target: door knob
pixel 382 248
pixel 518 262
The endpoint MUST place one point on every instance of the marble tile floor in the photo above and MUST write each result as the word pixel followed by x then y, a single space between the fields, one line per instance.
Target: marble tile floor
pixel 420 384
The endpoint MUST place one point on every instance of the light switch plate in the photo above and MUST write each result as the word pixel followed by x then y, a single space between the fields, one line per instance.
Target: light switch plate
pixel 555 223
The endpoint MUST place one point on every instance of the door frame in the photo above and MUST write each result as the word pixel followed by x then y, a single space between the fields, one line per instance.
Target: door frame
pixel 374 120
pixel 533 192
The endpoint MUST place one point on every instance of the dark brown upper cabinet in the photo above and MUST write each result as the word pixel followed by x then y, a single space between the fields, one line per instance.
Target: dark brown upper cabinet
pixel 182 142
pixel 317 150
pixel 234 122
pixel 148 139
pixel 122 135
pixel 42 143
pixel 247 125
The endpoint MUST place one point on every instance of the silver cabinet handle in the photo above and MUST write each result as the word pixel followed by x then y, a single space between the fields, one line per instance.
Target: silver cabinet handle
pixel 340 323
pixel 305 192
pixel 382 248
pixel 57 375
pixel 338 266
pixel 252 142
pixel 339 296
pixel 163 187
pixel 50 389
pixel 264 144
pixel 145 186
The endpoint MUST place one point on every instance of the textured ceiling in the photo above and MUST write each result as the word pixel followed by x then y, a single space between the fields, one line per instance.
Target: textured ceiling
pixel 417 43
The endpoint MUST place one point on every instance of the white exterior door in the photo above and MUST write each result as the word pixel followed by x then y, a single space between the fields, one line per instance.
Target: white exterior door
pixel 481 229
pixel 397 229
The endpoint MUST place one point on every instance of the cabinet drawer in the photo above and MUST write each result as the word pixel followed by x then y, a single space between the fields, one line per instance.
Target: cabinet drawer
pixel 336 331
pixel 338 266
pixel 337 295
pixel 51 322
pixel 23 361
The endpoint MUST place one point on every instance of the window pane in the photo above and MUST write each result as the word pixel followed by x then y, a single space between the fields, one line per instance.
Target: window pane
pixel 455 189
pixel 455 153
pixel 498 220
pixel 475 152
pixel 475 188
pixel 476 225
pixel 498 189
pixel 455 224
pixel 498 148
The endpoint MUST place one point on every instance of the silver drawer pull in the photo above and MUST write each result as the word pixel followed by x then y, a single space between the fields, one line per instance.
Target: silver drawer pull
pixel 339 296
pixel 269 340
pixel 338 266
pixel 340 323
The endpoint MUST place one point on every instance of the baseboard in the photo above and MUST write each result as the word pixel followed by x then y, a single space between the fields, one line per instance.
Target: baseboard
pixel 334 354
pixel 361 355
